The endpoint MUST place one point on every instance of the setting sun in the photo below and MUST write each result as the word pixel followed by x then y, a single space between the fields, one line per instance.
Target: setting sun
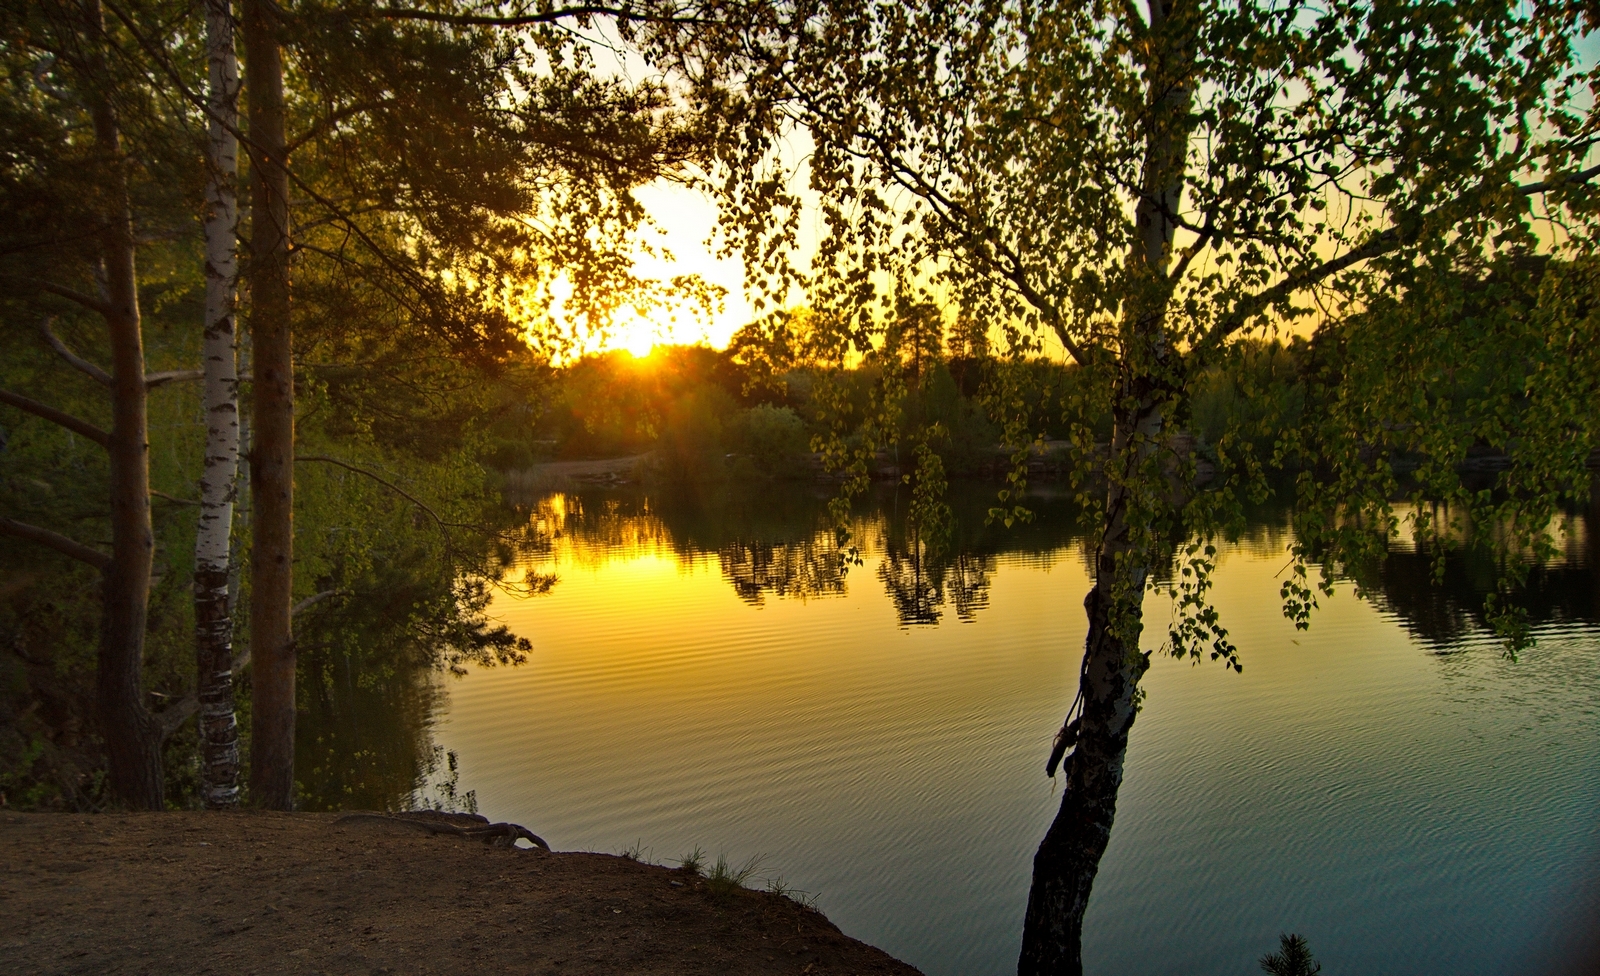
pixel 683 221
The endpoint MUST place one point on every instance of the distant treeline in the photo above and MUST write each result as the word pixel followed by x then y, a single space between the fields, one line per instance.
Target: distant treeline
pixel 720 413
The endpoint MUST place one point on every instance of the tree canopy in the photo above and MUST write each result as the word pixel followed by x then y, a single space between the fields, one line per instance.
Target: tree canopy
pixel 1147 186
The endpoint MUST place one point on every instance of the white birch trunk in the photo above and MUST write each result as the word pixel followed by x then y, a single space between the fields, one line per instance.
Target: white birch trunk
pixel 219 738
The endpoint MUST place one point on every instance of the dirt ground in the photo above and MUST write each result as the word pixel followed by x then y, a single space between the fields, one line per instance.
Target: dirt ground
pixel 242 893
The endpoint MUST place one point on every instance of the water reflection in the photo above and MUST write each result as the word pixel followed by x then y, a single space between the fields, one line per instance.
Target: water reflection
pixel 1449 609
pixel 781 542
pixel 716 671
pixel 803 570
pixel 364 735
pixel 919 587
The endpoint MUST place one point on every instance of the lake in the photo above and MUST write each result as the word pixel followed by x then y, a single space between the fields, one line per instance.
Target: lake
pixel 715 673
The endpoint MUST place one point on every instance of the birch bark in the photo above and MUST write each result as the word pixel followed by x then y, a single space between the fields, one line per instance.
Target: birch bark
pixel 219 737
pixel 1068 859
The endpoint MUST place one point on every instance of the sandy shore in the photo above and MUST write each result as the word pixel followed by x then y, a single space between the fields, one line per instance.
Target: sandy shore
pixel 302 893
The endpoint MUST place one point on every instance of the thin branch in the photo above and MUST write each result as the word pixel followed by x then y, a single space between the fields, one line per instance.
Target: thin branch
pixel 87 301
pixel 172 498
pixel 1006 260
pixel 1389 240
pixel 67 420
pixel 324 459
pixel 329 121
pixel 78 362
pixel 1252 305
pixel 172 717
pixel 56 541
pixel 528 20
pixel 153 380
pixel 1189 253
pixel 1555 182
pixel 315 599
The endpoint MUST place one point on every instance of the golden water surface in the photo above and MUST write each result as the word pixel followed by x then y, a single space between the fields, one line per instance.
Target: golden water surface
pixel 1386 784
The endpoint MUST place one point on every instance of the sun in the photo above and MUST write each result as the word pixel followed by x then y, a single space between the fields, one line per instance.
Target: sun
pixel 635 334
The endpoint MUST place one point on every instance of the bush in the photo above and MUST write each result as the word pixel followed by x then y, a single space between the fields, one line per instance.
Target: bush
pixel 773 439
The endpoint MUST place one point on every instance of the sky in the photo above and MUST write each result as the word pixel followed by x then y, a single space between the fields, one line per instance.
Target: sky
pixel 684 220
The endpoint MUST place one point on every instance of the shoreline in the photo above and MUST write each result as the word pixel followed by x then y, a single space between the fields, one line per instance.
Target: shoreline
pixel 258 892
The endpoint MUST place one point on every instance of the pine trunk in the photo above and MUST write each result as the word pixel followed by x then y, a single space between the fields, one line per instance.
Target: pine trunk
pixel 133 738
pixel 213 613
pixel 272 453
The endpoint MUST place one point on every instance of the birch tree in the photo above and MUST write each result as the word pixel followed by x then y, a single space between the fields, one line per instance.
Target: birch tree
pixel 1146 186
pixel 213 545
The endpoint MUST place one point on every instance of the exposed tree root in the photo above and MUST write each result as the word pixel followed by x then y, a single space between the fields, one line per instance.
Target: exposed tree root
pixel 470 826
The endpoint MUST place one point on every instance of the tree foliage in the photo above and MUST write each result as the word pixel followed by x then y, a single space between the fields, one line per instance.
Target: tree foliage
pixel 1146 186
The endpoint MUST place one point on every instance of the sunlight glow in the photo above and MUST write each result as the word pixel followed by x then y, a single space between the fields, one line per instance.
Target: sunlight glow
pixel 683 221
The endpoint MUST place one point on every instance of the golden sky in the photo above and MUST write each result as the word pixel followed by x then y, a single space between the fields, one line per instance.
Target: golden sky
pixel 684 219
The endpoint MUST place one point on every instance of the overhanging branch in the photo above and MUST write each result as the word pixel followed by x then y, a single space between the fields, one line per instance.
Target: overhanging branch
pixel 76 361
pixel 315 599
pixel 172 717
pixel 71 295
pixel 1380 244
pixel 529 20
pixel 324 459
pixel 67 420
pixel 1556 182
pixel 153 380
pixel 56 541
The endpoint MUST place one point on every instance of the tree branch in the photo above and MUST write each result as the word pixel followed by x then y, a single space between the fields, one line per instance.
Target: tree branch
pixel 528 20
pixel 78 362
pixel 323 459
pixel 172 717
pixel 315 599
pixel 56 541
pixel 1005 259
pixel 1555 182
pixel 153 380
pixel 1380 244
pixel 87 301
pixel 329 121
pixel 1250 306
pixel 172 498
pixel 67 420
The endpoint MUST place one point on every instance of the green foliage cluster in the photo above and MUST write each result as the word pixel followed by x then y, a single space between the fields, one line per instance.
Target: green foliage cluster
pixel 449 177
pixel 406 580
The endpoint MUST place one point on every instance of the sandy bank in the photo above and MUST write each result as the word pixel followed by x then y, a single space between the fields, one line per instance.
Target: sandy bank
pixel 299 893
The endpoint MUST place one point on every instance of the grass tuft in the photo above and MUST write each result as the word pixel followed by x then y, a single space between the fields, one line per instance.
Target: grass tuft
pixel 804 899
pixel 692 862
pixel 638 852
pixel 725 879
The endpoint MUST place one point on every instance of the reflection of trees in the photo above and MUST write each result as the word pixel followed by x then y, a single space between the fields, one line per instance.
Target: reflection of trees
pixel 919 587
pixel 1446 611
pixel 805 570
pixel 776 538
pixel 364 740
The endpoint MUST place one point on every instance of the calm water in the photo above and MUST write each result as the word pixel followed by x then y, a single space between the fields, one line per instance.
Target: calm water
pixel 714 674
